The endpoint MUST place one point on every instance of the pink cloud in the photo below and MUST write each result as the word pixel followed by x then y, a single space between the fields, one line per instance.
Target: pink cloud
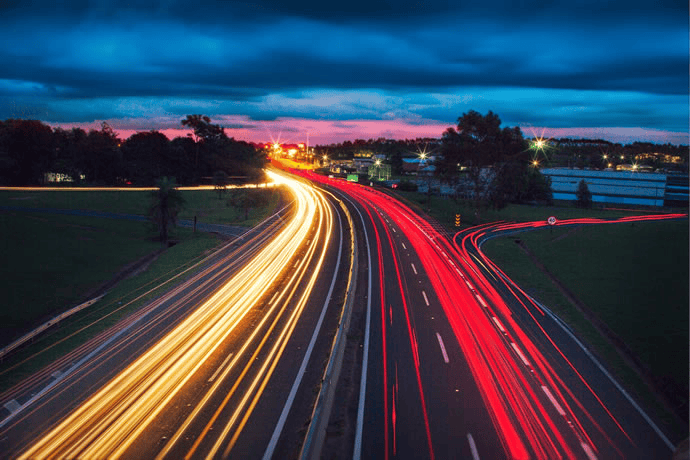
pixel 322 132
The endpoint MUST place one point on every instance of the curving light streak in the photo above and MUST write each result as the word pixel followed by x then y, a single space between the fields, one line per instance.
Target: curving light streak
pixel 524 394
pixel 109 422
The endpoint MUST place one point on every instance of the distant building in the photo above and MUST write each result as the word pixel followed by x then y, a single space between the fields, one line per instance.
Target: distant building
pixel 620 187
pixel 417 166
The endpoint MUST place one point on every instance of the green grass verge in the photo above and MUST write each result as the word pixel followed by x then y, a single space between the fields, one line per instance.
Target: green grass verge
pixel 210 208
pixel 125 298
pixel 633 277
pixel 50 262
pixel 205 204
pixel 444 210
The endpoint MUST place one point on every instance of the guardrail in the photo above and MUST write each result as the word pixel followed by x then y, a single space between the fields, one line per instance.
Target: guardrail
pixel 51 322
pixel 316 434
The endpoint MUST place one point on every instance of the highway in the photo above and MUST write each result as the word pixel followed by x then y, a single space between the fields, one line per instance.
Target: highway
pixel 223 365
pixel 459 363
pixel 455 360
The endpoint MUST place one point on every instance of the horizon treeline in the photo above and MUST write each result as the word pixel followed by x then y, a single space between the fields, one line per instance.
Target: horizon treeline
pixel 30 149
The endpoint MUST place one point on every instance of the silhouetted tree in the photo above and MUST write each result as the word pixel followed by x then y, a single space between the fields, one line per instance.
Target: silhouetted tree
pixel 103 163
pixel 220 182
pixel 166 204
pixel 147 156
pixel 27 151
pixel 584 196
pixel 474 147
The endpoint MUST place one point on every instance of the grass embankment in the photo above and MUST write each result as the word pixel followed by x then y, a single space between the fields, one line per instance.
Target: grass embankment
pixel 444 210
pixel 205 204
pixel 52 262
pixel 634 278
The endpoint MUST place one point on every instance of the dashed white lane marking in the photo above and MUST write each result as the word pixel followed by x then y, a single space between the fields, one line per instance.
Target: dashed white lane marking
pixel 517 350
pixel 404 247
pixel 588 450
pixel 553 400
pixel 498 323
pixel 469 285
pixel 443 348
pixel 426 300
pixel 473 447
pixel 273 298
pixel 393 230
pixel 221 367
pixel 481 301
pixel 414 269
pixel 12 406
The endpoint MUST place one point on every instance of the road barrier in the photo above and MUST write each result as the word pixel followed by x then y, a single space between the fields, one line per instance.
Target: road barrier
pixel 316 434
pixel 51 322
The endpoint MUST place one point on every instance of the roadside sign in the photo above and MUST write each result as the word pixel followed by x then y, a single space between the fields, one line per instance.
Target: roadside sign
pixel 551 220
pixel 457 220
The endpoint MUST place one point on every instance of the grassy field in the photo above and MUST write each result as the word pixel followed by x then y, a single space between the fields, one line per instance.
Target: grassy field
pixel 633 277
pixel 123 299
pixel 205 204
pixel 445 209
pixel 51 262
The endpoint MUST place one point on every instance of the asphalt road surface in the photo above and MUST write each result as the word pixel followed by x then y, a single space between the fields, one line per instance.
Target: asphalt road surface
pixel 224 365
pixel 457 362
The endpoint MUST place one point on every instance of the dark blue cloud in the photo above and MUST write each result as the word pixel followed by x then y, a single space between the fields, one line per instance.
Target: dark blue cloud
pixel 79 61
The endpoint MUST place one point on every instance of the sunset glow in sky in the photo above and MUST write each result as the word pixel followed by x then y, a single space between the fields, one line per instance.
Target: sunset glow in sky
pixel 360 69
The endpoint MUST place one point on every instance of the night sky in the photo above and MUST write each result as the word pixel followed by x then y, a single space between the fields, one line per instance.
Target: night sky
pixel 616 70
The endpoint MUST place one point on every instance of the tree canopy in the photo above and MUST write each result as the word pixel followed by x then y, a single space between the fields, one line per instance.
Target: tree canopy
pixel 30 149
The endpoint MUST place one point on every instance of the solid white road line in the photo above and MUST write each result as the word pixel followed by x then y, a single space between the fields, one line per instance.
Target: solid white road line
pixel 473 447
pixel 307 354
pixel 357 453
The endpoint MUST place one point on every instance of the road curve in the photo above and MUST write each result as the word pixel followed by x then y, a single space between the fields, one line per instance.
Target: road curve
pixel 207 370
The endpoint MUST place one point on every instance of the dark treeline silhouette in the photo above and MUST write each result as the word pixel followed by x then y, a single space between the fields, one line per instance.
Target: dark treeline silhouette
pixel 31 152
pixel 601 154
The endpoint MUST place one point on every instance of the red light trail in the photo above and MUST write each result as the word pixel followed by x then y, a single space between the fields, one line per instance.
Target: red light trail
pixel 527 399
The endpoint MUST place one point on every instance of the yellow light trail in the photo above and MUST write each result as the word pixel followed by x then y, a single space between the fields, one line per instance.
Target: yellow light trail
pixel 130 189
pixel 109 422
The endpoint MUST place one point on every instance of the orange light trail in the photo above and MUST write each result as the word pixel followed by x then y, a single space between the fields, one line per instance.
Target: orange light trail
pixel 109 422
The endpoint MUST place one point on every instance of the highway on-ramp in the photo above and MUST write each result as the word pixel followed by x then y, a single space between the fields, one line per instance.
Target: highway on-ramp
pixel 457 362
